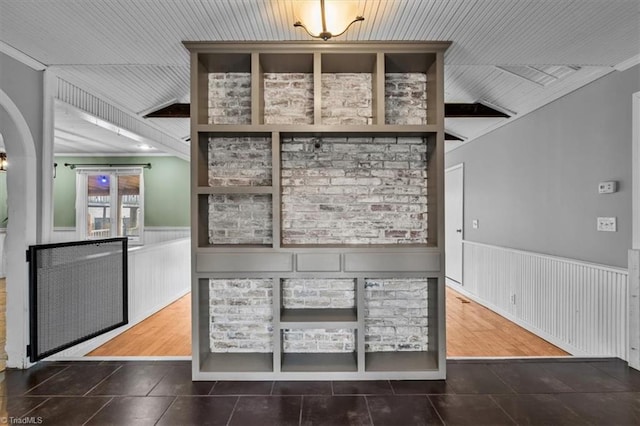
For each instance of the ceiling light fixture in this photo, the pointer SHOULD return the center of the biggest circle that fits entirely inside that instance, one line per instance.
(331, 21)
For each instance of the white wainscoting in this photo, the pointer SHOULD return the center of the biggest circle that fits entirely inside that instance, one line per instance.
(578, 306)
(159, 234)
(152, 234)
(158, 275)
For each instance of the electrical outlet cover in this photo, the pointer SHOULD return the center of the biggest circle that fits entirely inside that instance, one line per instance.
(607, 224)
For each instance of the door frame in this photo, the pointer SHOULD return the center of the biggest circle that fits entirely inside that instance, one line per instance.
(450, 169)
(633, 290)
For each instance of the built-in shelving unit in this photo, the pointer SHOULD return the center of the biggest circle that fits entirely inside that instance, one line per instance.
(317, 210)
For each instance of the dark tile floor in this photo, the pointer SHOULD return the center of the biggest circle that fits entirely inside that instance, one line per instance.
(480, 392)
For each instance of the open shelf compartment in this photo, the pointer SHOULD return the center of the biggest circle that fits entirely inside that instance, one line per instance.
(287, 83)
(242, 220)
(401, 324)
(318, 302)
(236, 160)
(348, 82)
(236, 334)
(319, 350)
(225, 79)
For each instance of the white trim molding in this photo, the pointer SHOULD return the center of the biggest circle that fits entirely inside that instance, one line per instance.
(21, 57)
(634, 253)
(21, 230)
(625, 65)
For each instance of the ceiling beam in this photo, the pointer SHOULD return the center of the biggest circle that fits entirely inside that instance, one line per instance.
(475, 110)
(449, 137)
(177, 110)
(457, 110)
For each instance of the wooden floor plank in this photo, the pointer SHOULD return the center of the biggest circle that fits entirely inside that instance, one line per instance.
(166, 333)
(475, 331)
(472, 331)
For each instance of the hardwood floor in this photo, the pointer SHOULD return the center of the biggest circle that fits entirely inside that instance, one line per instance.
(472, 331)
(475, 331)
(166, 333)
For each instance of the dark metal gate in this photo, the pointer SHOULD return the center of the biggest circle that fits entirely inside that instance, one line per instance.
(77, 291)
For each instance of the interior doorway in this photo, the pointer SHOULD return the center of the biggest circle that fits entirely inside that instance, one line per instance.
(454, 221)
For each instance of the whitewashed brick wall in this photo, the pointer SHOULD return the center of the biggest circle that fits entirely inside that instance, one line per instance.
(241, 161)
(241, 314)
(396, 315)
(240, 219)
(288, 98)
(406, 98)
(354, 191)
(318, 340)
(346, 99)
(318, 293)
(230, 98)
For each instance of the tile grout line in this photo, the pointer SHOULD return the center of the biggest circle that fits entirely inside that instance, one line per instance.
(435, 409)
(366, 401)
(100, 382)
(501, 408)
(98, 410)
(487, 365)
(233, 410)
(301, 409)
(175, 398)
(212, 388)
(44, 381)
(39, 405)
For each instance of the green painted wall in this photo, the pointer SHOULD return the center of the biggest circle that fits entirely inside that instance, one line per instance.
(166, 190)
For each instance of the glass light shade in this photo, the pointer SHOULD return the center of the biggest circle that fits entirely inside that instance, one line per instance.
(339, 15)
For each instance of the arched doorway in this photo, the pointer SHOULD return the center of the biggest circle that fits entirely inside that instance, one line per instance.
(21, 227)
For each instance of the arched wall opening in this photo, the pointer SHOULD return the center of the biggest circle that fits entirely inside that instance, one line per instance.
(21, 227)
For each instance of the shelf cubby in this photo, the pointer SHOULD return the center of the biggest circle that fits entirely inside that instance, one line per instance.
(320, 349)
(247, 346)
(319, 362)
(234, 159)
(401, 361)
(242, 219)
(347, 84)
(287, 97)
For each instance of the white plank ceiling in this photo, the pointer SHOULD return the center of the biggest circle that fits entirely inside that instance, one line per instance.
(130, 51)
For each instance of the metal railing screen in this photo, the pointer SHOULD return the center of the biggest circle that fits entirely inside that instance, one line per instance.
(77, 291)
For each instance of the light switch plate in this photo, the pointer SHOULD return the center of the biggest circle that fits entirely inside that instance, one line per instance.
(475, 224)
(607, 224)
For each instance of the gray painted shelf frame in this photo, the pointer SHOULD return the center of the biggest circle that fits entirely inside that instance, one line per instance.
(277, 261)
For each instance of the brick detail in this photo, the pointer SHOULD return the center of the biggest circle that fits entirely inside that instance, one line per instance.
(230, 98)
(318, 293)
(405, 98)
(354, 191)
(241, 315)
(244, 161)
(288, 98)
(240, 219)
(346, 98)
(318, 340)
(396, 315)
